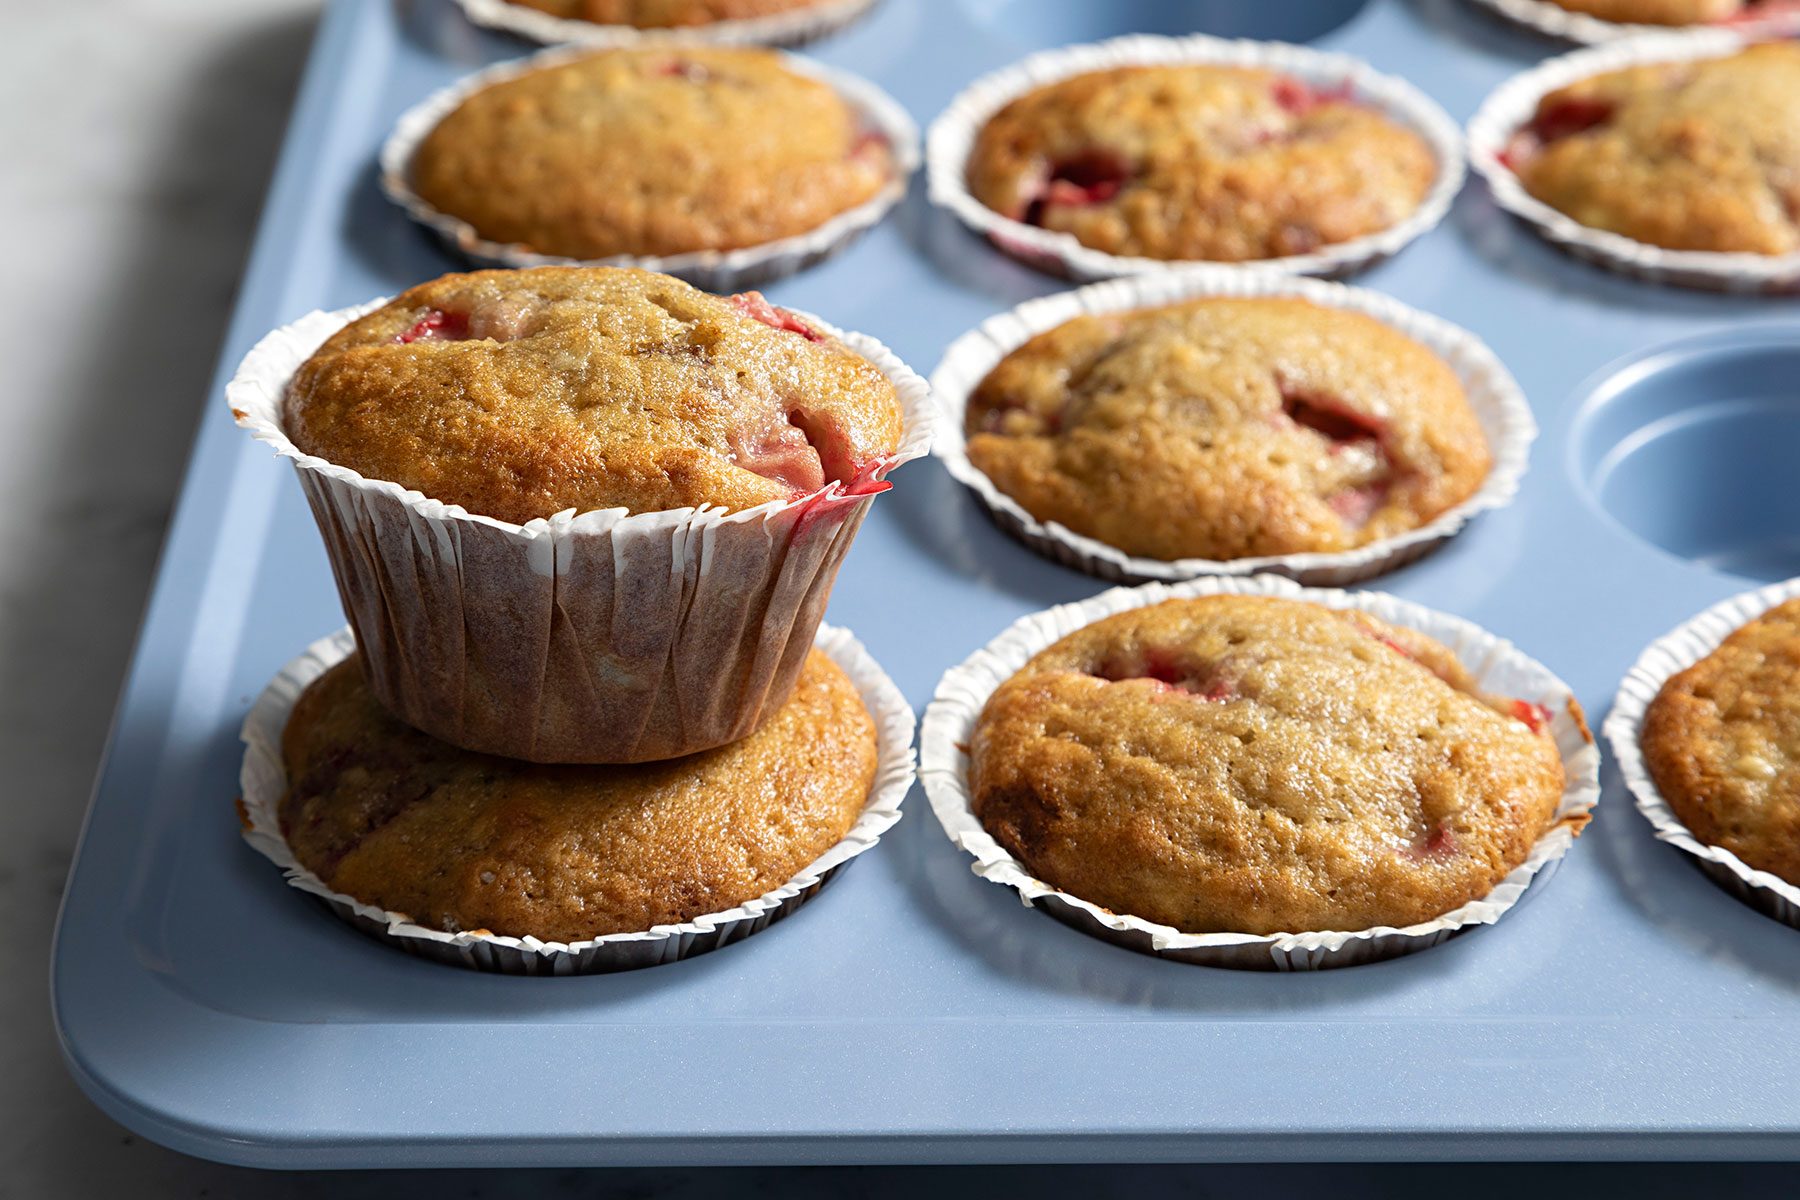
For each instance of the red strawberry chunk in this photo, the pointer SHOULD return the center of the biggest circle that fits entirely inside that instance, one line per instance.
(1535, 716)
(756, 307)
(1090, 177)
(1302, 98)
(1356, 505)
(1440, 842)
(437, 326)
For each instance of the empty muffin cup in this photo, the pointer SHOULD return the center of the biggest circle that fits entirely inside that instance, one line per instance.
(263, 781)
(594, 637)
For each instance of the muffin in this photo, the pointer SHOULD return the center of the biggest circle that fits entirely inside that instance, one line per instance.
(522, 394)
(1261, 765)
(1224, 428)
(1663, 12)
(1685, 155)
(1722, 742)
(665, 14)
(651, 152)
(1196, 161)
(470, 842)
(576, 514)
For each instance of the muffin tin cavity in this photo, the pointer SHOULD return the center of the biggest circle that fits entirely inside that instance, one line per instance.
(1692, 448)
(1046, 24)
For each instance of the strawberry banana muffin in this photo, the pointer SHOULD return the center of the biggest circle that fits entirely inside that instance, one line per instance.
(651, 152)
(1722, 741)
(1198, 162)
(1261, 765)
(1688, 155)
(470, 842)
(1673, 12)
(522, 394)
(664, 14)
(1227, 428)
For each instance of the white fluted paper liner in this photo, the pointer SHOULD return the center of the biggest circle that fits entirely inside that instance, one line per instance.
(1668, 655)
(1553, 20)
(1511, 105)
(1499, 406)
(1496, 665)
(715, 270)
(951, 139)
(793, 28)
(264, 780)
(682, 627)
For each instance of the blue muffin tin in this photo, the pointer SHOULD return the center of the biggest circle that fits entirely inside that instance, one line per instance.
(916, 1013)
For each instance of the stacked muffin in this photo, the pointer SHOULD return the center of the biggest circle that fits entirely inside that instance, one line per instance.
(584, 522)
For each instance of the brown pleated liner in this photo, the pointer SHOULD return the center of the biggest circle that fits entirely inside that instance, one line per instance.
(714, 270)
(1668, 655)
(264, 780)
(793, 28)
(1499, 405)
(1511, 105)
(1497, 665)
(599, 637)
(952, 135)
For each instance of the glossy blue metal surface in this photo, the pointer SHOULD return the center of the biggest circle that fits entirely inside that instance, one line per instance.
(916, 1013)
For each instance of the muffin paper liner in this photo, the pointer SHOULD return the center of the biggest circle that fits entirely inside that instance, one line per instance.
(952, 135)
(1674, 652)
(264, 780)
(682, 628)
(1555, 21)
(1494, 395)
(793, 28)
(1514, 103)
(1495, 663)
(715, 270)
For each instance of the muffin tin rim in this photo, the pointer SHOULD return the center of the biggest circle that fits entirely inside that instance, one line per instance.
(964, 689)
(985, 346)
(950, 138)
(718, 270)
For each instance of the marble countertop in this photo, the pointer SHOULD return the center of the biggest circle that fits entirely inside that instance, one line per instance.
(142, 134)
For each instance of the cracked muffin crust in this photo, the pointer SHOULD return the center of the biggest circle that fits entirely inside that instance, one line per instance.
(1223, 428)
(651, 152)
(663, 14)
(521, 394)
(1686, 155)
(461, 841)
(1261, 765)
(1198, 162)
(1722, 742)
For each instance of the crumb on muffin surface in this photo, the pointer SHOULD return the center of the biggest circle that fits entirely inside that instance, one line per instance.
(651, 151)
(1686, 155)
(1198, 162)
(1222, 428)
(521, 394)
(1261, 765)
(462, 841)
(1722, 742)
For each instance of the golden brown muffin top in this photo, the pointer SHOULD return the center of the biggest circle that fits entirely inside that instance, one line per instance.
(1660, 12)
(1198, 162)
(1261, 765)
(1224, 428)
(1690, 155)
(1722, 741)
(663, 14)
(651, 151)
(519, 394)
(468, 842)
